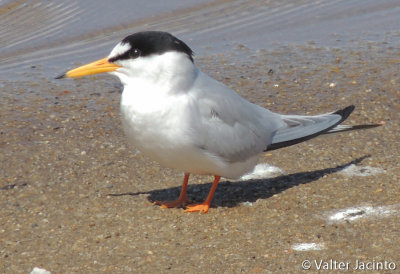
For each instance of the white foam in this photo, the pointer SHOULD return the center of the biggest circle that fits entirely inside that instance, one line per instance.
(38, 270)
(353, 170)
(308, 246)
(262, 171)
(247, 203)
(355, 213)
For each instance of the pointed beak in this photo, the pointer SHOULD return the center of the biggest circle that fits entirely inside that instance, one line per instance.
(99, 66)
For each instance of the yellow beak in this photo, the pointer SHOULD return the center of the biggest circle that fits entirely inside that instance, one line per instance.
(99, 66)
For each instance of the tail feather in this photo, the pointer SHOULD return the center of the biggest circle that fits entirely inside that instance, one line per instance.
(343, 128)
(303, 128)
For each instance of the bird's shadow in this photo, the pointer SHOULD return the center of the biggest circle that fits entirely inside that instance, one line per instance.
(230, 194)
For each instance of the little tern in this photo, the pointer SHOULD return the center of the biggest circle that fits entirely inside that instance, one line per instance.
(184, 119)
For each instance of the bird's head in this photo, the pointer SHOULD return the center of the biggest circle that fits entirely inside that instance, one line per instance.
(148, 53)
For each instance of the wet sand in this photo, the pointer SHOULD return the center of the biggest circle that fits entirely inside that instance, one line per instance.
(75, 198)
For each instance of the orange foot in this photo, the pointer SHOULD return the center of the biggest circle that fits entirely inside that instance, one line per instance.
(203, 208)
(171, 204)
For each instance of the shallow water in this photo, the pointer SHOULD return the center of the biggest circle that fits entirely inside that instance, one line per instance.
(45, 38)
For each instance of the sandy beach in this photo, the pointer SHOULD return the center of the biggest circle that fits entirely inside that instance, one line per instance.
(75, 198)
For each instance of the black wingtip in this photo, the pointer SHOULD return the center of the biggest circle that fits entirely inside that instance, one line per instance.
(60, 76)
(345, 113)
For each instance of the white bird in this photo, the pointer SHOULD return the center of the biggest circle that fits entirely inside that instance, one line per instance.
(182, 118)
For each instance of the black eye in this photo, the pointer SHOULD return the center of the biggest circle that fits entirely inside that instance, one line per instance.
(135, 53)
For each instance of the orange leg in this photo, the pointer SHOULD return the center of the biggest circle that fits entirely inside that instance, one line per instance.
(206, 205)
(182, 200)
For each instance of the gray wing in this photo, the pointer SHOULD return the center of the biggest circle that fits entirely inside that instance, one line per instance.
(235, 129)
(230, 126)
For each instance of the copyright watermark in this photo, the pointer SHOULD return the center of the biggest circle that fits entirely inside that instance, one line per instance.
(348, 265)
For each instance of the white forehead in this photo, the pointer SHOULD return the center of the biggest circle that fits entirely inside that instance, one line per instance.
(119, 49)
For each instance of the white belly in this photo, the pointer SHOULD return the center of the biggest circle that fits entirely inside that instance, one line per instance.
(162, 129)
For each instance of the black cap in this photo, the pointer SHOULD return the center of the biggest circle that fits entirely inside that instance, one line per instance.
(152, 42)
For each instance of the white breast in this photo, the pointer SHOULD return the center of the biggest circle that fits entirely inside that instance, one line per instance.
(159, 126)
